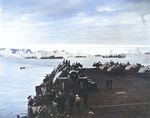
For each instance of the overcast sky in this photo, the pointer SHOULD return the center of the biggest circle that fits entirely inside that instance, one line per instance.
(74, 24)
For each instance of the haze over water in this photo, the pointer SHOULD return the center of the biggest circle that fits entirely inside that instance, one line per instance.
(17, 84)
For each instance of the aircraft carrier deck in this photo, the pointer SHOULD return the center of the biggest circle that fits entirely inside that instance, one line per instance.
(128, 98)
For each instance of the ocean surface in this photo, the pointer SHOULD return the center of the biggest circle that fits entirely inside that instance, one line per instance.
(17, 84)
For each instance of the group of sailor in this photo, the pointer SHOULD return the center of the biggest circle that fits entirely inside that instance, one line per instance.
(52, 102)
(57, 106)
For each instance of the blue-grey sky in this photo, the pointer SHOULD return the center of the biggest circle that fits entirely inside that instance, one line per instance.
(66, 24)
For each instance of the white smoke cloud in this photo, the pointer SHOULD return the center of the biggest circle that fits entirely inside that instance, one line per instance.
(143, 9)
(8, 53)
(23, 54)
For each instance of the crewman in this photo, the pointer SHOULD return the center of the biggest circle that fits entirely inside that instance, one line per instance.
(63, 101)
(107, 84)
(91, 113)
(71, 102)
(58, 101)
(85, 97)
(30, 101)
(78, 103)
(110, 84)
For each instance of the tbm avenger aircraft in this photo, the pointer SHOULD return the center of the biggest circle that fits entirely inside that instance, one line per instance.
(66, 78)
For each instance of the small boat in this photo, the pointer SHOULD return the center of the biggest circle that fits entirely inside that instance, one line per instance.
(22, 67)
(98, 55)
(80, 56)
(114, 56)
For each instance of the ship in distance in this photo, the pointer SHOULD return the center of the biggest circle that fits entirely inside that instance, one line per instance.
(52, 57)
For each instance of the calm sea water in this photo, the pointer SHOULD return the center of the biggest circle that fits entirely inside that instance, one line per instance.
(17, 84)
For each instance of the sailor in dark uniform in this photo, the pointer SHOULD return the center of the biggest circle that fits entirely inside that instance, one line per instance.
(71, 102)
(107, 84)
(85, 97)
(110, 82)
(31, 101)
